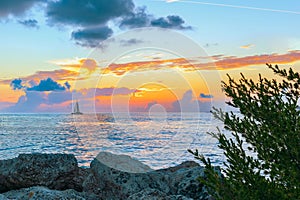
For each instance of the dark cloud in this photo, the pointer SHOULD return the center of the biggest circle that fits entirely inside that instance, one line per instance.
(140, 18)
(91, 16)
(36, 101)
(130, 42)
(90, 19)
(136, 19)
(16, 84)
(67, 85)
(87, 13)
(171, 21)
(91, 37)
(16, 7)
(206, 96)
(40, 96)
(30, 23)
(47, 85)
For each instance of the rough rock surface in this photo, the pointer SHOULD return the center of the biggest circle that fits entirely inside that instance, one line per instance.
(2, 197)
(55, 171)
(153, 194)
(57, 176)
(38, 193)
(122, 163)
(109, 183)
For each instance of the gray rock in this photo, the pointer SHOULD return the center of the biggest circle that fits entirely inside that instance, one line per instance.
(154, 194)
(176, 182)
(184, 182)
(122, 163)
(148, 194)
(38, 193)
(179, 197)
(2, 197)
(184, 165)
(55, 171)
(102, 181)
(109, 183)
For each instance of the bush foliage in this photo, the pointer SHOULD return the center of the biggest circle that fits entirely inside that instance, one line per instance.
(262, 143)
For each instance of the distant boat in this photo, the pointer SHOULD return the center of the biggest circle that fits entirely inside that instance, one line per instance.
(76, 110)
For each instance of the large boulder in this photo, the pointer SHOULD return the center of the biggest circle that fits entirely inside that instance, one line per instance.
(109, 183)
(177, 182)
(122, 163)
(55, 171)
(38, 193)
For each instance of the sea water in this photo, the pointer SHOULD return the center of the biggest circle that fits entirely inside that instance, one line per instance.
(158, 139)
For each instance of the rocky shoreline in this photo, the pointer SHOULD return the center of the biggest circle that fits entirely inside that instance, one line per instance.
(110, 177)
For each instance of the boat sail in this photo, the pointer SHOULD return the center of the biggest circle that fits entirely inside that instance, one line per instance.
(76, 110)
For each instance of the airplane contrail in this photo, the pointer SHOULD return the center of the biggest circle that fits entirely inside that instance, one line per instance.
(231, 6)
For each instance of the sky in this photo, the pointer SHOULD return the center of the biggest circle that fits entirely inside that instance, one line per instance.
(138, 55)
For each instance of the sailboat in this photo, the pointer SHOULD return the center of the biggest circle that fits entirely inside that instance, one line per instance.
(76, 110)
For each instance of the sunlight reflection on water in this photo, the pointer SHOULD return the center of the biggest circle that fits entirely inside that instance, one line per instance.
(157, 140)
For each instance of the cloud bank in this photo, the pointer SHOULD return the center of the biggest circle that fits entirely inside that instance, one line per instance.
(91, 21)
(47, 85)
(188, 103)
(16, 7)
(50, 96)
(219, 62)
(44, 85)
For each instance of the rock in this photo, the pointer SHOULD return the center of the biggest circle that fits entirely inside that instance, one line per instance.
(153, 194)
(2, 197)
(176, 182)
(179, 197)
(109, 183)
(55, 171)
(110, 177)
(184, 182)
(184, 165)
(148, 194)
(37, 193)
(122, 163)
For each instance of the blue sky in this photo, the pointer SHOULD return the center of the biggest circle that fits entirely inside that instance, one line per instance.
(224, 29)
(39, 34)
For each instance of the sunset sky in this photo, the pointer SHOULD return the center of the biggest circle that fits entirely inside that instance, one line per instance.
(138, 55)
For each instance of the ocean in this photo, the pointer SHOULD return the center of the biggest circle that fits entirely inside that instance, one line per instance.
(158, 140)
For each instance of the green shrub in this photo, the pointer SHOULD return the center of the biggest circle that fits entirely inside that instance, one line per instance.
(262, 146)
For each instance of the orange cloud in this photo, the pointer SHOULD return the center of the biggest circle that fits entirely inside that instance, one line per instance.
(29, 81)
(221, 63)
(230, 63)
(120, 69)
(87, 64)
(57, 75)
(151, 94)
